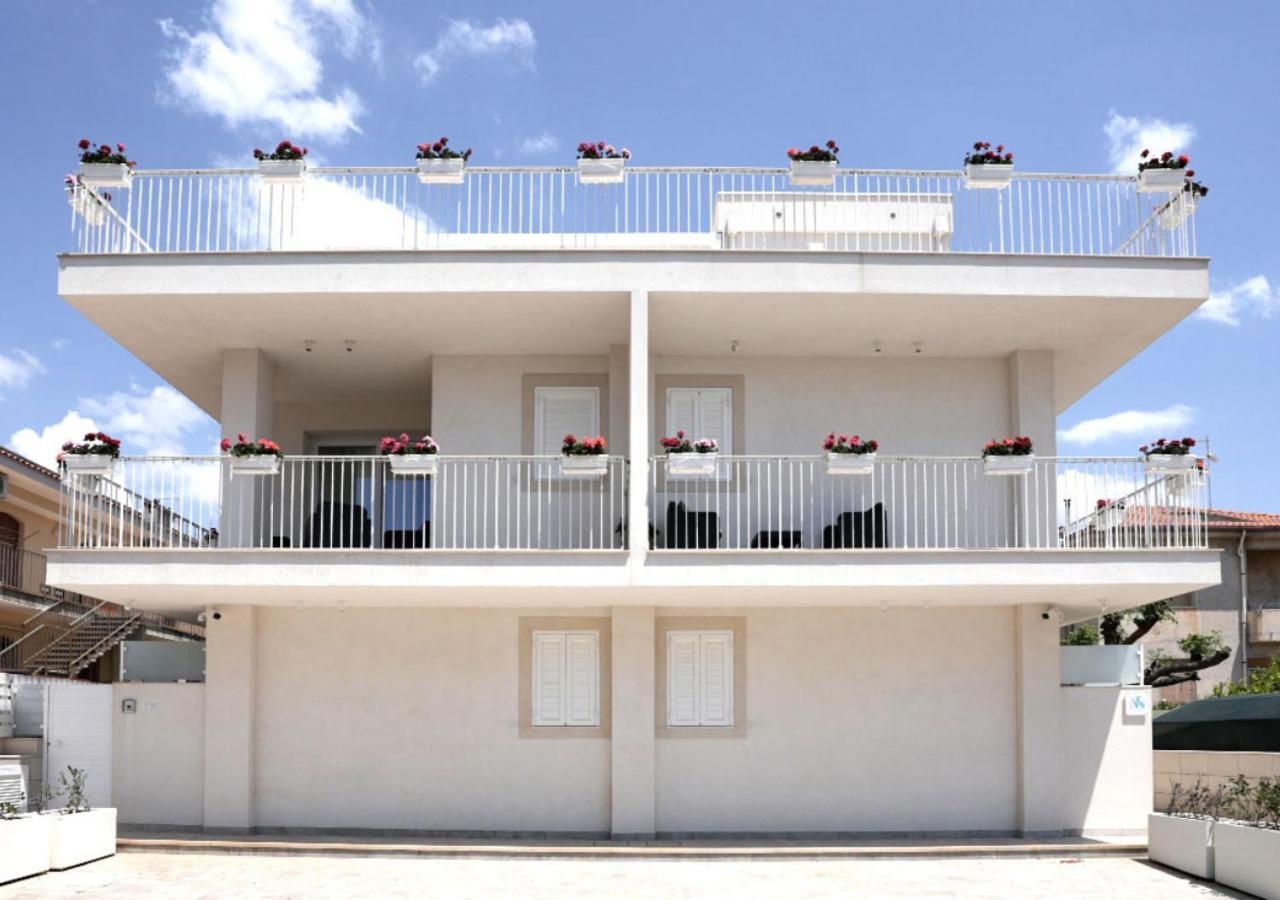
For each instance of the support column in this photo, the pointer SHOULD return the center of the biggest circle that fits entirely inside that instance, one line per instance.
(230, 684)
(1038, 717)
(1032, 412)
(633, 732)
(248, 406)
(638, 494)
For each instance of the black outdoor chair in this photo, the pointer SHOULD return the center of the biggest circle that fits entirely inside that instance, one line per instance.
(407, 538)
(339, 526)
(691, 530)
(856, 530)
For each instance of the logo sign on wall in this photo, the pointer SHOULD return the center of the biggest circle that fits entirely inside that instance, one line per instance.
(1136, 704)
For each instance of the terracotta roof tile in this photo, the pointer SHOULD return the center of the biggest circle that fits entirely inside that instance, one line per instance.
(21, 460)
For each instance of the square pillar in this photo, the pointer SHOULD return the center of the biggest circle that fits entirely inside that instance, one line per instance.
(633, 732)
(248, 406)
(638, 432)
(1033, 412)
(1038, 718)
(230, 684)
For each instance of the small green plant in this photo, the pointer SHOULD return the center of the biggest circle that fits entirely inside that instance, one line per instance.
(9, 810)
(1167, 704)
(1261, 681)
(1083, 635)
(1255, 803)
(71, 783)
(1198, 646)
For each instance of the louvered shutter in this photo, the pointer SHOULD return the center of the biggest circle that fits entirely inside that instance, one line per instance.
(548, 679)
(563, 410)
(682, 412)
(582, 678)
(716, 667)
(702, 413)
(682, 678)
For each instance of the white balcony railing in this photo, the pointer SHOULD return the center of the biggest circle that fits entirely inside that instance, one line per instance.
(927, 503)
(346, 502)
(230, 210)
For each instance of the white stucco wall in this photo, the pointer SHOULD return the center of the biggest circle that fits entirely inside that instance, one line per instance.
(157, 773)
(1107, 761)
(408, 719)
(858, 720)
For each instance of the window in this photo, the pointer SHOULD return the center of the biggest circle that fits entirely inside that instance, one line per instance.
(699, 678)
(558, 411)
(566, 679)
(702, 413)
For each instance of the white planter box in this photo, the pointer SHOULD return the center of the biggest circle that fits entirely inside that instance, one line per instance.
(90, 207)
(414, 463)
(267, 464)
(81, 837)
(442, 171)
(1161, 181)
(692, 465)
(89, 464)
(991, 176)
(105, 175)
(24, 846)
(851, 463)
(1010, 466)
(601, 171)
(1181, 843)
(816, 173)
(584, 466)
(1177, 209)
(1169, 463)
(1109, 517)
(282, 171)
(1247, 858)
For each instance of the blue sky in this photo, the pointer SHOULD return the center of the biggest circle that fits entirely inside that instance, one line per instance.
(1072, 87)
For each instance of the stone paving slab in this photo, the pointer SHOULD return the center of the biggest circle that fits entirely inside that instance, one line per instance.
(190, 875)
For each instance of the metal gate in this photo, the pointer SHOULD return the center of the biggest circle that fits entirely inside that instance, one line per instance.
(77, 732)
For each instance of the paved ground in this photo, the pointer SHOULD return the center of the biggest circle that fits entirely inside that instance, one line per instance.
(197, 875)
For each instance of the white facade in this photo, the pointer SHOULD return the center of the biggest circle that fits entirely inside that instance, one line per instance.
(499, 647)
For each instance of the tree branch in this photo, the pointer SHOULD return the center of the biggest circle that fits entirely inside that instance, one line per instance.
(1175, 671)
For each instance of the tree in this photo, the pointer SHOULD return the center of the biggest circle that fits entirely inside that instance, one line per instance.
(1203, 651)
(1261, 681)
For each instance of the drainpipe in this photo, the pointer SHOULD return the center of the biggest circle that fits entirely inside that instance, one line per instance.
(1244, 608)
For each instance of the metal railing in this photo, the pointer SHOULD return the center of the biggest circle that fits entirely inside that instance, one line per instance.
(22, 571)
(926, 503)
(365, 208)
(348, 502)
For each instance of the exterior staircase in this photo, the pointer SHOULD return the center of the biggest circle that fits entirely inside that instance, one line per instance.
(66, 638)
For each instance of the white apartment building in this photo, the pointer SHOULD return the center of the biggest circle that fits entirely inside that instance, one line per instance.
(770, 648)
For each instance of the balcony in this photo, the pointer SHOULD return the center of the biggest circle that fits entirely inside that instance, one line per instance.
(525, 503)
(684, 209)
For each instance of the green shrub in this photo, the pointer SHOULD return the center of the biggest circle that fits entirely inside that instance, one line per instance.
(1084, 635)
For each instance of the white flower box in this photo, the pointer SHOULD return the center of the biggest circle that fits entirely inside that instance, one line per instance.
(1177, 209)
(89, 206)
(442, 171)
(89, 464)
(1161, 181)
(601, 171)
(692, 465)
(282, 171)
(1109, 517)
(1009, 466)
(1247, 858)
(76, 838)
(105, 175)
(1181, 843)
(584, 466)
(1169, 463)
(851, 463)
(814, 173)
(989, 176)
(264, 464)
(414, 463)
(24, 846)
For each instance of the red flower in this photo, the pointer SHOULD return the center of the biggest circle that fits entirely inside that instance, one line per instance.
(84, 144)
(1188, 442)
(1145, 153)
(570, 440)
(241, 438)
(1191, 173)
(1184, 159)
(225, 445)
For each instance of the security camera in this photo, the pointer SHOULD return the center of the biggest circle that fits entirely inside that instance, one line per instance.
(217, 616)
(1045, 615)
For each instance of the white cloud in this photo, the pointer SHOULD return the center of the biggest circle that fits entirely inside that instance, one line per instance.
(510, 39)
(18, 367)
(1128, 136)
(60, 343)
(1254, 296)
(43, 446)
(330, 215)
(259, 62)
(539, 144)
(1133, 423)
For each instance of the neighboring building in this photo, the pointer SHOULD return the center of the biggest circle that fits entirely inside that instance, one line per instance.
(1244, 607)
(500, 647)
(49, 630)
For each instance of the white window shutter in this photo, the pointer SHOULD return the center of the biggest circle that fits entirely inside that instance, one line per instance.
(563, 410)
(582, 677)
(682, 412)
(682, 678)
(548, 679)
(717, 678)
(716, 410)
